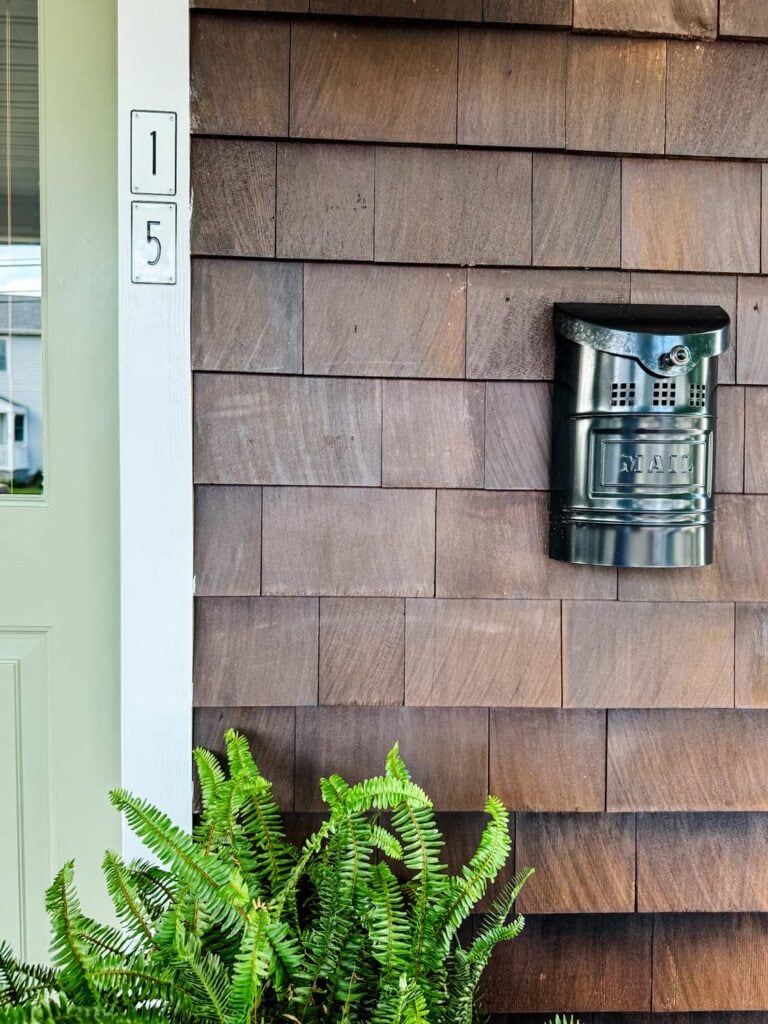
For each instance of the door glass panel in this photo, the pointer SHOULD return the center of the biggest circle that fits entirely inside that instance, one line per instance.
(21, 343)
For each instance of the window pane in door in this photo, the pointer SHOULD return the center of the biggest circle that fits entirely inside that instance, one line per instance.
(21, 348)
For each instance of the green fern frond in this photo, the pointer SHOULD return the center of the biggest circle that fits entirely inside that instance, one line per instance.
(250, 969)
(387, 921)
(20, 983)
(70, 953)
(128, 900)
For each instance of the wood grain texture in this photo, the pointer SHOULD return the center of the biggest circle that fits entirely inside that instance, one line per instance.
(732, 946)
(445, 10)
(362, 650)
(587, 962)
(616, 91)
(744, 19)
(548, 759)
(452, 206)
(585, 863)
(227, 541)
(509, 316)
(729, 451)
(254, 651)
(233, 192)
(393, 83)
(764, 218)
(576, 211)
(348, 542)
(741, 552)
(683, 760)
(271, 734)
(446, 750)
(371, 321)
(647, 655)
(325, 201)
(511, 88)
(702, 862)
(688, 18)
(462, 831)
(432, 434)
(286, 430)
(495, 544)
(246, 316)
(756, 424)
(715, 100)
(518, 432)
(497, 653)
(528, 12)
(239, 75)
(752, 655)
(694, 290)
(753, 330)
(691, 215)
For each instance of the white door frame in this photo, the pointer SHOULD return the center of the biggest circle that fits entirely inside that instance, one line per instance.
(156, 499)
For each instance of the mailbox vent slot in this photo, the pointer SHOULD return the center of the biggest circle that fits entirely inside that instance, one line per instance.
(664, 392)
(697, 397)
(623, 393)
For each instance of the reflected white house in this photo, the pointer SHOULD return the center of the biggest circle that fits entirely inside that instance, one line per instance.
(21, 388)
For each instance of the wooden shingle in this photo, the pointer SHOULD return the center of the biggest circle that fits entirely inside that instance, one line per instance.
(509, 316)
(511, 88)
(233, 190)
(518, 429)
(616, 91)
(362, 650)
(348, 541)
(383, 321)
(687, 18)
(752, 655)
(685, 760)
(227, 541)
(639, 662)
(715, 100)
(239, 75)
(702, 862)
(246, 316)
(548, 759)
(392, 83)
(585, 962)
(324, 201)
(576, 211)
(497, 653)
(729, 452)
(744, 19)
(287, 430)
(585, 863)
(753, 330)
(710, 962)
(452, 206)
(494, 544)
(254, 651)
(432, 434)
(450, 10)
(756, 424)
(445, 749)
(691, 215)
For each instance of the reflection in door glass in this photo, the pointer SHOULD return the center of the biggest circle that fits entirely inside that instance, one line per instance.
(21, 352)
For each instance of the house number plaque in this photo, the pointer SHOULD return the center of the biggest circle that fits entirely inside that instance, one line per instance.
(153, 173)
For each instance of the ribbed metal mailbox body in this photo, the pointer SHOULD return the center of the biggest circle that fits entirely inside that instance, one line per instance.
(633, 438)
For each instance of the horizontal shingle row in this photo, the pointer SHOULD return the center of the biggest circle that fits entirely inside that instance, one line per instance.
(698, 19)
(477, 87)
(483, 652)
(357, 319)
(336, 201)
(539, 760)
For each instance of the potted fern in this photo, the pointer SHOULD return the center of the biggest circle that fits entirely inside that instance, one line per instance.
(240, 926)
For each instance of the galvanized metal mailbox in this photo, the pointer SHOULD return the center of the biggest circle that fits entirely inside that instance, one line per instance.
(633, 439)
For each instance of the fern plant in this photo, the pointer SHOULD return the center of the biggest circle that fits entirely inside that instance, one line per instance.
(241, 926)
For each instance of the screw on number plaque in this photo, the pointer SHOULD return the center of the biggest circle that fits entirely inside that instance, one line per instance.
(153, 243)
(153, 152)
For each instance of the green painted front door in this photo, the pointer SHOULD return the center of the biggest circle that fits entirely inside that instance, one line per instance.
(59, 588)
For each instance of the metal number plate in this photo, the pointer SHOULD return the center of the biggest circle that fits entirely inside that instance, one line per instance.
(153, 152)
(153, 243)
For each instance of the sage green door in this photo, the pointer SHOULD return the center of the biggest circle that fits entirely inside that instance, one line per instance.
(59, 613)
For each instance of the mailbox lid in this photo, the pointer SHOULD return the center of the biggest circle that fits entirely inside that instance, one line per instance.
(647, 333)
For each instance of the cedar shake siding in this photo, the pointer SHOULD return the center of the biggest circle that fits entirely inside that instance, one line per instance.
(389, 195)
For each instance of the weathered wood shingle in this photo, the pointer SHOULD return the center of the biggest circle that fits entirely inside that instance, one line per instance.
(227, 541)
(362, 650)
(518, 428)
(751, 655)
(689, 18)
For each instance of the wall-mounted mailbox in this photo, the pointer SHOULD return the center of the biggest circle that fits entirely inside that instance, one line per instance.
(633, 438)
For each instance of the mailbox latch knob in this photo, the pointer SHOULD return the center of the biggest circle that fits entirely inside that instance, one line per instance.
(680, 355)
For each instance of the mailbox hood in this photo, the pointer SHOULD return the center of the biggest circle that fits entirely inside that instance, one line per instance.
(666, 340)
